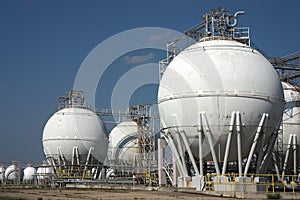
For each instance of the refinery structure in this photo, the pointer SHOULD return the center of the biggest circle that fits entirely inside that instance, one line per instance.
(228, 115)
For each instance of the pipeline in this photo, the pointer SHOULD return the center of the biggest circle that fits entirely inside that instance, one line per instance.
(234, 19)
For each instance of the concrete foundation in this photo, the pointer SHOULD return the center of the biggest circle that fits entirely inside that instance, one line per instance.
(184, 181)
(198, 182)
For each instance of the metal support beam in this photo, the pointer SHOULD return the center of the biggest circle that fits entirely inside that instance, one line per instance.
(77, 156)
(287, 155)
(187, 146)
(259, 130)
(275, 164)
(295, 153)
(61, 156)
(179, 144)
(162, 180)
(260, 152)
(228, 142)
(268, 153)
(181, 153)
(87, 160)
(239, 142)
(176, 155)
(200, 131)
(210, 141)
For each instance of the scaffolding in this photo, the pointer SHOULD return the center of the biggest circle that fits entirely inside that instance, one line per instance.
(145, 166)
(288, 68)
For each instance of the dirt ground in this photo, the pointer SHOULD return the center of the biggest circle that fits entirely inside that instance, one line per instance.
(69, 194)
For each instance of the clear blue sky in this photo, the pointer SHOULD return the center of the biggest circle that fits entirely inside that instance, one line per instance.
(43, 43)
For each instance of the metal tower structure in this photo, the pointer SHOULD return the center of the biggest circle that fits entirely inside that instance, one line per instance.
(288, 68)
(145, 163)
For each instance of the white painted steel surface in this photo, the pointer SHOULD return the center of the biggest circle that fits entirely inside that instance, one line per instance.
(124, 142)
(75, 127)
(12, 173)
(2, 171)
(291, 118)
(44, 172)
(29, 174)
(218, 77)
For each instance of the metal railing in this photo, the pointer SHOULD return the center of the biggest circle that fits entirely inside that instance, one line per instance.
(252, 183)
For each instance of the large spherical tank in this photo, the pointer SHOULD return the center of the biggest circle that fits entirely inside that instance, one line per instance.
(218, 77)
(12, 173)
(29, 174)
(291, 115)
(75, 127)
(2, 171)
(124, 142)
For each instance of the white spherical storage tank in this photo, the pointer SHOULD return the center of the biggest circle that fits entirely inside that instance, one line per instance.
(2, 171)
(12, 173)
(74, 132)
(291, 121)
(44, 172)
(29, 174)
(212, 84)
(124, 143)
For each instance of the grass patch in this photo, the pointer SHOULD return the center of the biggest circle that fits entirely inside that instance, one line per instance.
(273, 196)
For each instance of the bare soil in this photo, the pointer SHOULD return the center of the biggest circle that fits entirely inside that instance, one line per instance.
(69, 194)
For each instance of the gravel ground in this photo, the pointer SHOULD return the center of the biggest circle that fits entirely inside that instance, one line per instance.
(43, 194)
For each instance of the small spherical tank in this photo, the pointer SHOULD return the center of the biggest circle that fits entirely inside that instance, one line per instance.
(12, 173)
(291, 117)
(75, 128)
(29, 174)
(217, 77)
(44, 172)
(2, 172)
(124, 142)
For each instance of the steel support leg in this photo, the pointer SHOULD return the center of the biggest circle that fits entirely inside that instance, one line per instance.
(211, 145)
(295, 153)
(228, 143)
(260, 153)
(287, 155)
(268, 153)
(187, 147)
(259, 129)
(239, 142)
(176, 156)
(200, 131)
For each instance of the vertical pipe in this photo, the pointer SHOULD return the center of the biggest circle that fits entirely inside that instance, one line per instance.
(287, 155)
(239, 142)
(228, 143)
(211, 145)
(200, 131)
(295, 154)
(259, 128)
